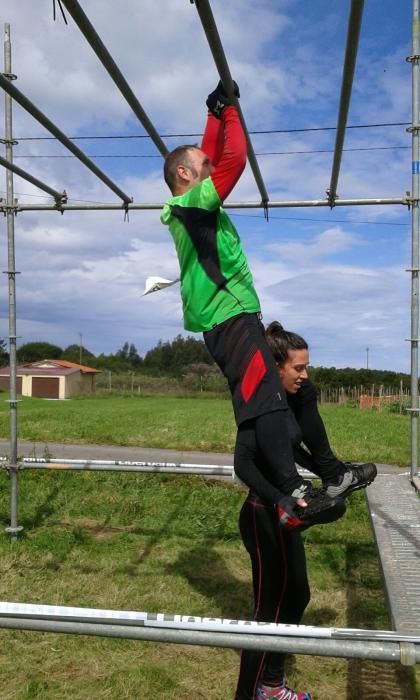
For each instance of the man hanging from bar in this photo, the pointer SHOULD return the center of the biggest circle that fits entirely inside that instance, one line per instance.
(219, 299)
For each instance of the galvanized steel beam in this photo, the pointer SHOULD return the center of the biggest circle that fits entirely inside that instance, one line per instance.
(60, 136)
(90, 34)
(415, 258)
(353, 32)
(219, 632)
(60, 197)
(14, 528)
(213, 38)
(287, 204)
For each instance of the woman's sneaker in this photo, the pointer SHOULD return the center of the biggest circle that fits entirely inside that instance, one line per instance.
(280, 692)
(356, 476)
(321, 507)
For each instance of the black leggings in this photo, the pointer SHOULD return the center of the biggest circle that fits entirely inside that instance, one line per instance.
(281, 588)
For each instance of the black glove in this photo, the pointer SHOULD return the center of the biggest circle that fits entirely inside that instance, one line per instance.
(218, 100)
(286, 510)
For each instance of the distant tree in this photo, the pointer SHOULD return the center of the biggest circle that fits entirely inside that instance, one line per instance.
(174, 356)
(78, 354)
(4, 355)
(128, 353)
(33, 352)
(333, 378)
(124, 351)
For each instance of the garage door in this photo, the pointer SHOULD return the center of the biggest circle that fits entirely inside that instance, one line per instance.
(45, 387)
(4, 384)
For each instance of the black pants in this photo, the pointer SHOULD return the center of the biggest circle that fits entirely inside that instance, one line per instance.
(240, 349)
(280, 583)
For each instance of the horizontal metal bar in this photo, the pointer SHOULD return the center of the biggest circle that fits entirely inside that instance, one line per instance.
(87, 29)
(386, 651)
(121, 466)
(342, 648)
(213, 38)
(58, 196)
(53, 129)
(353, 32)
(192, 622)
(129, 466)
(136, 206)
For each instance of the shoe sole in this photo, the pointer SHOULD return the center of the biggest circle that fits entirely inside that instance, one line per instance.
(327, 514)
(353, 487)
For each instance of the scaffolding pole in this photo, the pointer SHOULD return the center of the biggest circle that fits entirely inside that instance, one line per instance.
(415, 262)
(13, 529)
(218, 632)
(213, 38)
(60, 136)
(60, 197)
(287, 204)
(111, 67)
(121, 465)
(353, 32)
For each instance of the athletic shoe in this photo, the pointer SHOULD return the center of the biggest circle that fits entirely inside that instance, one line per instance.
(280, 692)
(356, 476)
(321, 508)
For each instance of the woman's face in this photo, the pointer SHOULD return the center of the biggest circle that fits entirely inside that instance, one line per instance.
(293, 371)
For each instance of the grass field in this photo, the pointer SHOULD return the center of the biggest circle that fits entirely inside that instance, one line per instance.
(171, 544)
(195, 424)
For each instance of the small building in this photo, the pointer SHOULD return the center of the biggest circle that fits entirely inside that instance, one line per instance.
(51, 379)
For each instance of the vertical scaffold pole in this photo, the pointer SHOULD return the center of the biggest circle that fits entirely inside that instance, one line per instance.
(415, 136)
(11, 273)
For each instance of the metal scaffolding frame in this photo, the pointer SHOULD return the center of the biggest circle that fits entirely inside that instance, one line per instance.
(353, 32)
(19, 97)
(379, 645)
(407, 651)
(10, 207)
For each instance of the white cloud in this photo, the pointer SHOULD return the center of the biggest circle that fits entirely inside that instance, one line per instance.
(325, 244)
(340, 284)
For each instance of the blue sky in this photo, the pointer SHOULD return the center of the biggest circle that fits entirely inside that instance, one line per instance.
(337, 277)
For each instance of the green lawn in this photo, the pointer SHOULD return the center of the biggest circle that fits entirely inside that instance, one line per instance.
(195, 424)
(171, 544)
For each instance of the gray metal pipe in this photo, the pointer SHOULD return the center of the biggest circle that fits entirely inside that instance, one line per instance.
(353, 32)
(378, 651)
(60, 136)
(58, 196)
(87, 29)
(149, 206)
(213, 38)
(121, 466)
(13, 529)
(415, 259)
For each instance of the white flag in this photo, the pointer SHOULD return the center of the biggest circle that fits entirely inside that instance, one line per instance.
(154, 284)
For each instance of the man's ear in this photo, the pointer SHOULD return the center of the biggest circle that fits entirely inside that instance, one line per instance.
(183, 173)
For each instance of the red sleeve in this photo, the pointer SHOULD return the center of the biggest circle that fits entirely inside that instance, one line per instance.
(231, 162)
(213, 139)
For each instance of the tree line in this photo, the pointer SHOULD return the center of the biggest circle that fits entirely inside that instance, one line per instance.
(188, 355)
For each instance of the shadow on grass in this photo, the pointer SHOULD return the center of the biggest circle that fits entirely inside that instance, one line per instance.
(206, 571)
(39, 515)
(131, 567)
(42, 511)
(371, 680)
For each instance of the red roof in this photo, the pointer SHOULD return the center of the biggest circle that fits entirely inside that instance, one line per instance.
(56, 367)
(69, 365)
